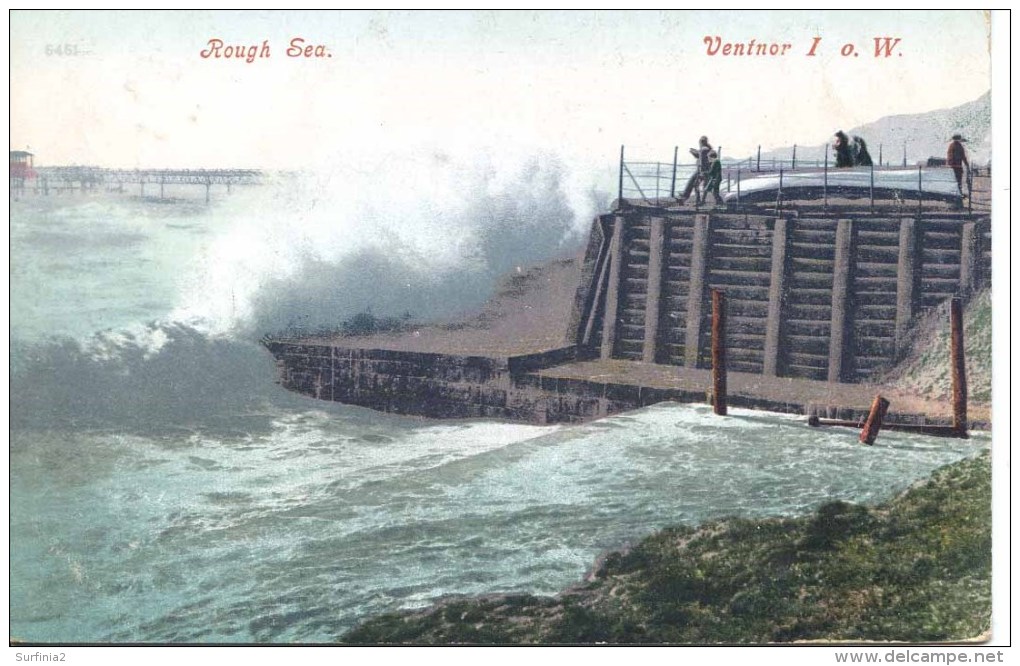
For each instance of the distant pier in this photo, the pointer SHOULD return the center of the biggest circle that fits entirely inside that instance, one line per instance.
(57, 180)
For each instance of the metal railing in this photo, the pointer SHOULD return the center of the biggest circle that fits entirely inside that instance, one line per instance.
(652, 181)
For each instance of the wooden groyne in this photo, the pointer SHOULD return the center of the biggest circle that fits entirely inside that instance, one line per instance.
(827, 297)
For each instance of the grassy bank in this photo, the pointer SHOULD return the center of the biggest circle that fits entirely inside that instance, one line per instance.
(915, 569)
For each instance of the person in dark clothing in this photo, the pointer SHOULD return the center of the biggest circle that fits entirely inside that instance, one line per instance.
(956, 158)
(842, 145)
(713, 177)
(860, 153)
(704, 148)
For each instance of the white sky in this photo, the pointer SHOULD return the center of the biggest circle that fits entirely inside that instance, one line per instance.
(575, 83)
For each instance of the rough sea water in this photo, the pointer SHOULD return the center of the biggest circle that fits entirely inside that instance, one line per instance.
(164, 489)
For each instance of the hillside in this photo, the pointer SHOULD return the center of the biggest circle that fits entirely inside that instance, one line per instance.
(925, 371)
(925, 134)
(916, 569)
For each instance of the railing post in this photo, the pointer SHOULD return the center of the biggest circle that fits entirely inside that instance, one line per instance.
(825, 180)
(905, 154)
(871, 188)
(779, 195)
(758, 168)
(879, 154)
(672, 186)
(657, 171)
(793, 163)
(738, 186)
(920, 190)
(619, 198)
(970, 190)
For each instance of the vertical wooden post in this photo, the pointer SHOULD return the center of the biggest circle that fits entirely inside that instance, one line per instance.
(874, 423)
(653, 299)
(825, 179)
(793, 163)
(696, 293)
(871, 188)
(904, 153)
(879, 154)
(719, 352)
(208, 185)
(920, 190)
(779, 195)
(613, 291)
(162, 182)
(619, 196)
(758, 167)
(672, 187)
(906, 281)
(968, 259)
(840, 320)
(959, 362)
(777, 287)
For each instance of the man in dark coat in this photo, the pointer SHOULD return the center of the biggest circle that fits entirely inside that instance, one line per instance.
(842, 145)
(956, 158)
(713, 177)
(704, 148)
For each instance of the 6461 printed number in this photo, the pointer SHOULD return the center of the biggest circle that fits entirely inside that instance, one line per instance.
(71, 50)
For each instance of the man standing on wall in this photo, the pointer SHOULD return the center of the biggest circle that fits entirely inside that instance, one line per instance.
(956, 158)
(704, 148)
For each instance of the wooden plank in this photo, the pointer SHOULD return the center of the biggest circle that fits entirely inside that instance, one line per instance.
(613, 288)
(839, 336)
(654, 291)
(777, 291)
(696, 293)
(906, 283)
(968, 260)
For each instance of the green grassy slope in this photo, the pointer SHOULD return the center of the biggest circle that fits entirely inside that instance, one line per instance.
(916, 569)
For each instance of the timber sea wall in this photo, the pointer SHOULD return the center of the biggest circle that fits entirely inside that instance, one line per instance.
(827, 296)
(820, 304)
